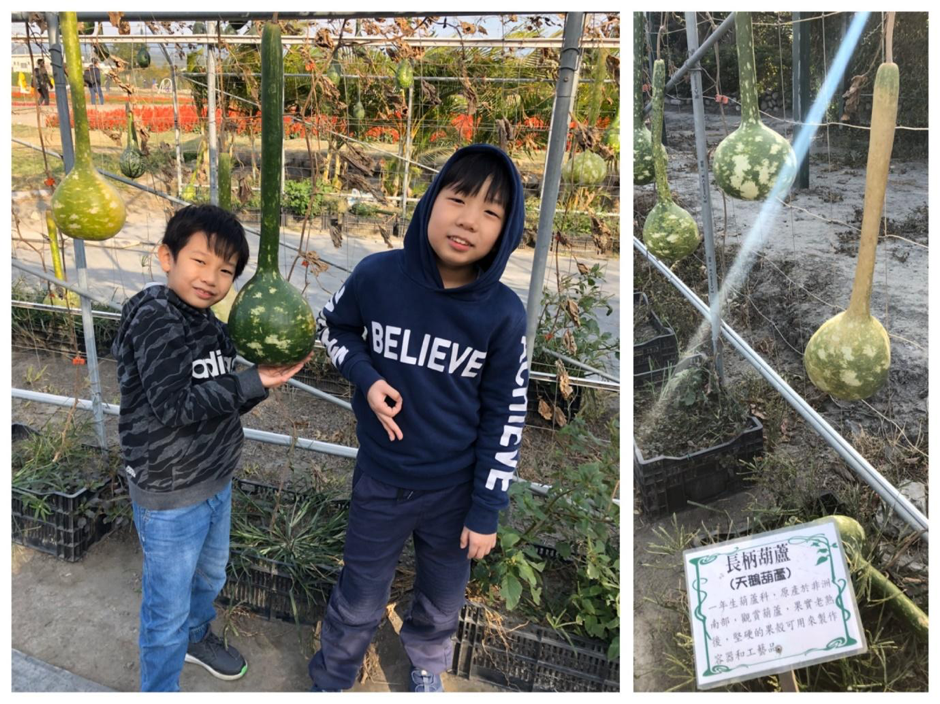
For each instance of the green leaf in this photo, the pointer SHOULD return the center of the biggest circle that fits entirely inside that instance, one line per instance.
(564, 549)
(821, 560)
(512, 591)
(536, 595)
(613, 652)
(525, 571)
(508, 539)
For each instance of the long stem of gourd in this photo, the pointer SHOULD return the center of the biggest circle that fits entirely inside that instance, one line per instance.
(272, 123)
(881, 140)
(747, 72)
(659, 152)
(639, 41)
(68, 24)
(54, 246)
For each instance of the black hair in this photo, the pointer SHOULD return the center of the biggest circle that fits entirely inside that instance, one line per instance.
(468, 174)
(225, 234)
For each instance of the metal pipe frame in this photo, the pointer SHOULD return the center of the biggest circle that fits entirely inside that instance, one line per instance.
(326, 448)
(719, 32)
(888, 493)
(582, 365)
(261, 16)
(383, 77)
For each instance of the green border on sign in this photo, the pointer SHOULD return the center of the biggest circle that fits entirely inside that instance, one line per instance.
(824, 549)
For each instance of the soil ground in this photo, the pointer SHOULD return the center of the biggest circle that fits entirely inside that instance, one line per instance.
(802, 276)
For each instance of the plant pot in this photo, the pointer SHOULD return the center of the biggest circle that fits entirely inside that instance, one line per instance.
(657, 352)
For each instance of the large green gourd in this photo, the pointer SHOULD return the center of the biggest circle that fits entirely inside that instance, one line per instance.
(85, 206)
(849, 355)
(271, 322)
(612, 135)
(669, 231)
(642, 139)
(585, 169)
(748, 161)
(132, 159)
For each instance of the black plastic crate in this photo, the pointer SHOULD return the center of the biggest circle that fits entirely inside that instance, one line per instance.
(259, 489)
(667, 483)
(530, 658)
(660, 351)
(65, 531)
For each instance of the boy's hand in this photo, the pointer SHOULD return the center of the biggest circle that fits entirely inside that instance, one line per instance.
(273, 376)
(378, 392)
(480, 544)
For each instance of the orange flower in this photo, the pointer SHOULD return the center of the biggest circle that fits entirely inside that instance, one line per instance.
(78, 361)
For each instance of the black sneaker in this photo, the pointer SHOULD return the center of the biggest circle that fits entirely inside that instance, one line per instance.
(211, 653)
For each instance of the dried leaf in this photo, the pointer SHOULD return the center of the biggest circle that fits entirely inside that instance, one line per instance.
(853, 95)
(571, 308)
(564, 382)
(569, 343)
(583, 270)
(545, 410)
(323, 39)
(336, 232)
(559, 418)
(117, 19)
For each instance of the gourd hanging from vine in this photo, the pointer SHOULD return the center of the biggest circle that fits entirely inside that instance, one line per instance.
(132, 159)
(85, 206)
(271, 322)
(850, 354)
(643, 172)
(749, 161)
(669, 231)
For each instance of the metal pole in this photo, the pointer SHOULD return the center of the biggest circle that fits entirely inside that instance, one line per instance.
(212, 28)
(557, 136)
(176, 123)
(405, 179)
(719, 32)
(582, 365)
(52, 22)
(889, 494)
(701, 152)
(801, 101)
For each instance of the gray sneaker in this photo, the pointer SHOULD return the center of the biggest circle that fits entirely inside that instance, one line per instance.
(211, 653)
(424, 681)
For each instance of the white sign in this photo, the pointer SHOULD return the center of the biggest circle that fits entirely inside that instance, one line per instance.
(771, 602)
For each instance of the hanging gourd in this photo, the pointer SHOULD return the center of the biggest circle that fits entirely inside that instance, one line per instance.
(669, 231)
(85, 206)
(612, 135)
(271, 322)
(225, 181)
(359, 112)
(334, 73)
(585, 169)
(643, 172)
(199, 27)
(849, 355)
(143, 57)
(405, 75)
(132, 159)
(70, 299)
(458, 103)
(749, 161)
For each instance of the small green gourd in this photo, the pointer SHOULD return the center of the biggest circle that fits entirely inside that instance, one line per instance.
(669, 231)
(85, 206)
(612, 135)
(132, 159)
(458, 103)
(270, 321)
(334, 73)
(643, 172)
(405, 74)
(585, 169)
(199, 27)
(358, 112)
(143, 57)
(749, 161)
(850, 354)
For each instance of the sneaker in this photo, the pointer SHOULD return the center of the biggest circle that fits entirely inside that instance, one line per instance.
(211, 653)
(316, 688)
(424, 681)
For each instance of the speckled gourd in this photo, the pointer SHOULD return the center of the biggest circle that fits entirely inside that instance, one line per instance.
(850, 354)
(132, 159)
(669, 231)
(85, 206)
(749, 161)
(584, 169)
(271, 321)
(643, 172)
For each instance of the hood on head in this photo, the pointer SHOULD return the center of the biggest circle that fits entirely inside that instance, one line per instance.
(420, 262)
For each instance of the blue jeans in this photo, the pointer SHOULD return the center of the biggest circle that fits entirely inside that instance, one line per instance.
(381, 519)
(96, 91)
(185, 554)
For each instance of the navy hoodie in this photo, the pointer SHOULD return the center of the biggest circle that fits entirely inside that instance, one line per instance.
(456, 355)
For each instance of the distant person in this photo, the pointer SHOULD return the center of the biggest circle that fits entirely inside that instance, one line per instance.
(41, 81)
(92, 78)
(181, 439)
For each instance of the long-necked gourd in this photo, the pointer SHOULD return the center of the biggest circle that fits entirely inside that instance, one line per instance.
(225, 181)
(749, 161)
(669, 231)
(643, 172)
(849, 355)
(70, 299)
(85, 206)
(271, 322)
(132, 159)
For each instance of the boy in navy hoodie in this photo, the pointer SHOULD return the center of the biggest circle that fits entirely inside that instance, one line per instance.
(440, 403)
